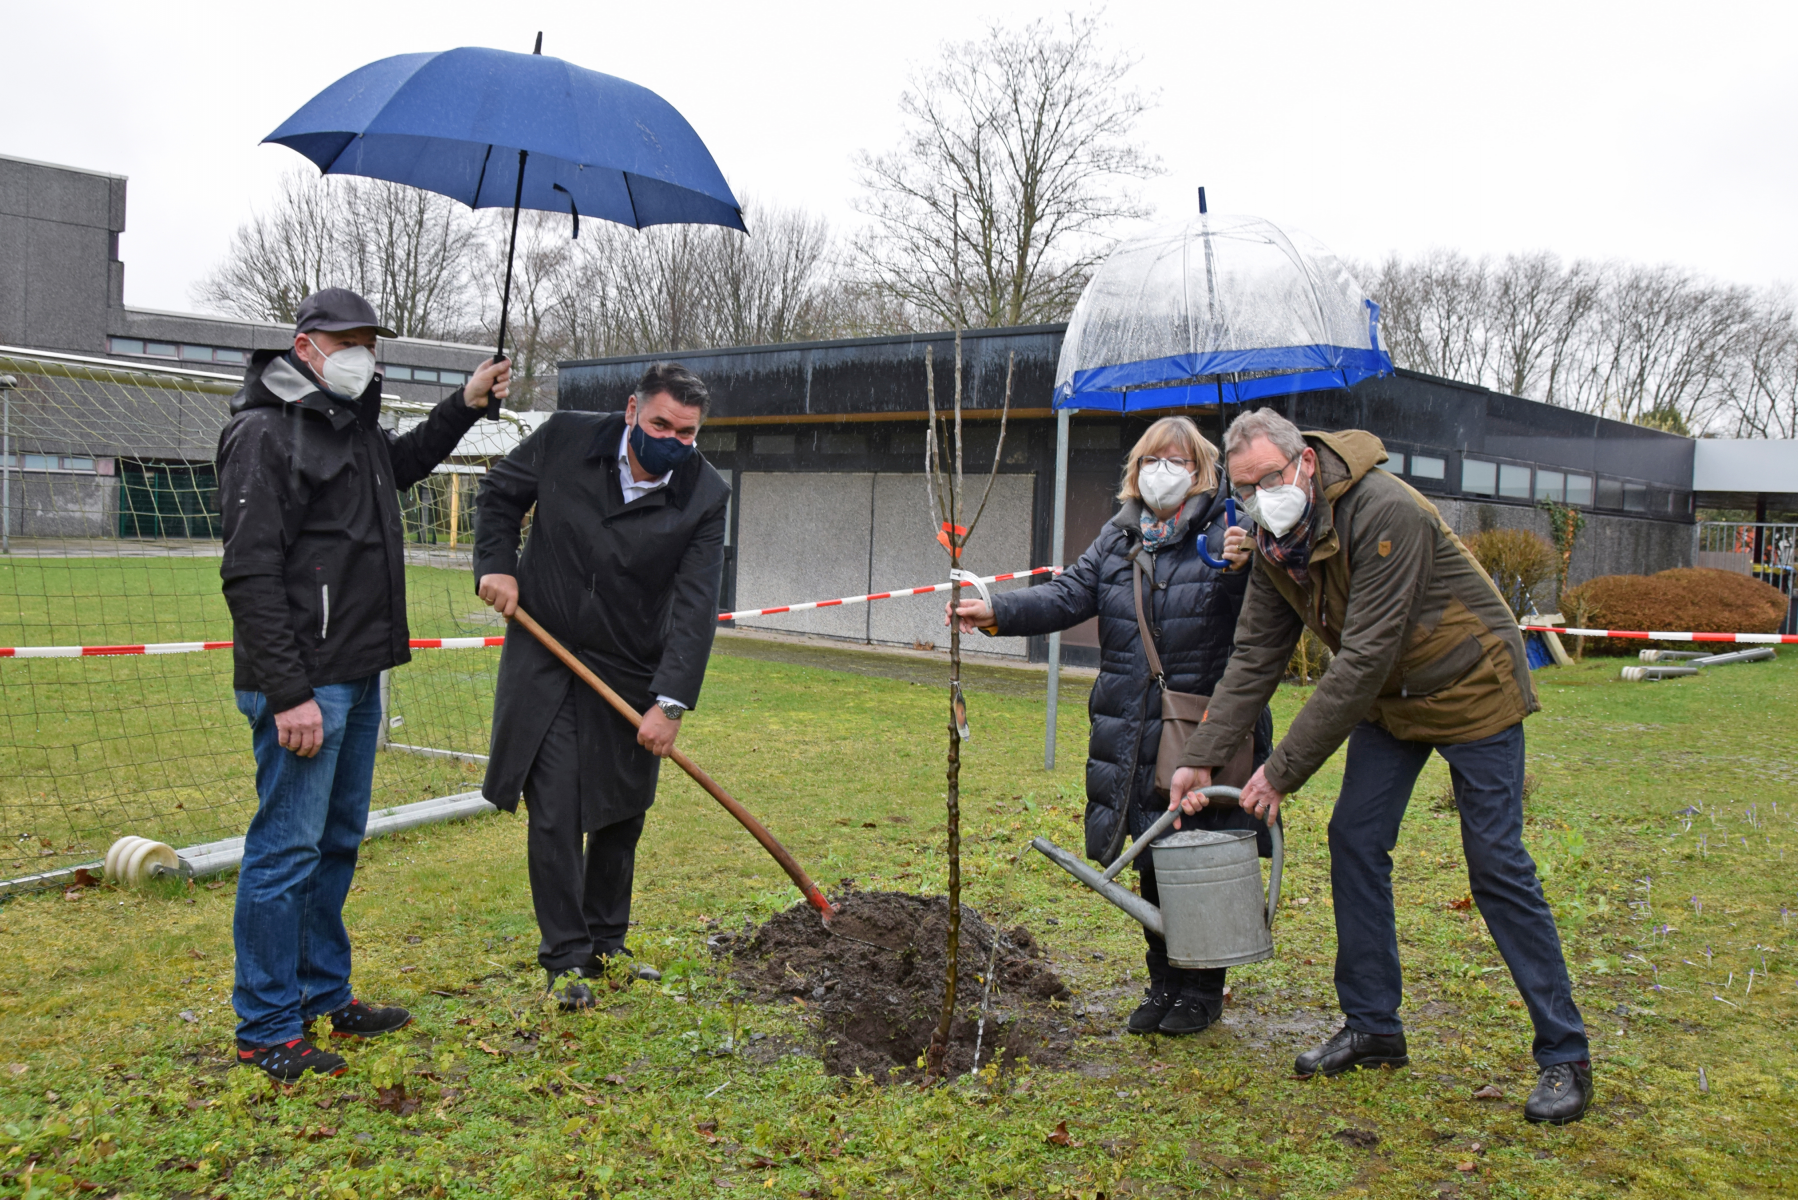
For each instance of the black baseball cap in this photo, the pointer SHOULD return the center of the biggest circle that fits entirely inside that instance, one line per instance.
(332, 309)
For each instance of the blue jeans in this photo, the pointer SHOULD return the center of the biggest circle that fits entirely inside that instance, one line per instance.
(1488, 780)
(293, 953)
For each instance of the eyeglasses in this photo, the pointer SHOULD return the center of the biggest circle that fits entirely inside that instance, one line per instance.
(1149, 460)
(1272, 479)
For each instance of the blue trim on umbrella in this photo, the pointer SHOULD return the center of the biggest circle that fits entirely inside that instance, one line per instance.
(1318, 357)
(1226, 391)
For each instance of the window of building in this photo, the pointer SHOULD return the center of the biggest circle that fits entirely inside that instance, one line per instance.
(1478, 478)
(234, 357)
(395, 374)
(196, 354)
(717, 441)
(1425, 467)
(1579, 490)
(774, 443)
(423, 375)
(77, 464)
(1395, 463)
(1635, 497)
(1550, 485)
(40, 462)
(456, 377)
(160, 349)
(1513, 481)
(1095, 437)
(127, 345)
(843, 443)
(1610, 492)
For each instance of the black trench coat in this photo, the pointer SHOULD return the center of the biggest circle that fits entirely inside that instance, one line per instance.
(632, 589)
(1194, 607)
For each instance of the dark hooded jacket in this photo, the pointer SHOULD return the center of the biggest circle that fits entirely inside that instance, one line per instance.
(632, 589)
(1192, 608)
(314, 569)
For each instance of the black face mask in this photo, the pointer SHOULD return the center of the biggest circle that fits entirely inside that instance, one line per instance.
(659, 455)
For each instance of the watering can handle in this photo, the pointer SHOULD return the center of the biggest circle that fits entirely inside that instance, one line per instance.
(1216, 792)
(1273, 874)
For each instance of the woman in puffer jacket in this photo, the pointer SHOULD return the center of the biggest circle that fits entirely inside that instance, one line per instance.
(1170, 496)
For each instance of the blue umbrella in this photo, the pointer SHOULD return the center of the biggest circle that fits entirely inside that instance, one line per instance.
(463, 123)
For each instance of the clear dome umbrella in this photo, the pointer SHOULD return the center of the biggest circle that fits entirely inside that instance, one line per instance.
(1217, 310)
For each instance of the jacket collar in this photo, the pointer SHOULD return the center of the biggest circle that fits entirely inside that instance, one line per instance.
(275, 379)
(604, 451)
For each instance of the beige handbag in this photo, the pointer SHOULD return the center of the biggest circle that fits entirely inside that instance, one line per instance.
(1181, 713)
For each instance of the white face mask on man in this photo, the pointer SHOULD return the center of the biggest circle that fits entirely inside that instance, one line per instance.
(348, 371)
(1162, 485)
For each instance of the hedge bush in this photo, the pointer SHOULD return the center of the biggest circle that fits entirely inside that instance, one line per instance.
(1699, 599)
(1518, 561)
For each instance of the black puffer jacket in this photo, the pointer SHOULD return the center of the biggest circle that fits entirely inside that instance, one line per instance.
(1192, 606)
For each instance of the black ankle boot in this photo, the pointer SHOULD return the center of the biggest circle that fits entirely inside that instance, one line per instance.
(1350, 1049)
(1155, 1005)
(1193, 1012)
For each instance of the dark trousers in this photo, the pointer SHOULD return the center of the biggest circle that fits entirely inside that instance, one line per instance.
(1208, 983)
(582, 896)
(1488, 783)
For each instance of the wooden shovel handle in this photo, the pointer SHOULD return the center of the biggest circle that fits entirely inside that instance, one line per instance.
(756, 829)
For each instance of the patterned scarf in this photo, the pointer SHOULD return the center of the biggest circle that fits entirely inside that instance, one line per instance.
(1293, 552)
(1158, 534)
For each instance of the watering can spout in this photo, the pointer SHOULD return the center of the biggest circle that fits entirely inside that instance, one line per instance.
(1129, 901)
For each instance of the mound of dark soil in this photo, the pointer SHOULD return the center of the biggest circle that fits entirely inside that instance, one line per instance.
(872, 982)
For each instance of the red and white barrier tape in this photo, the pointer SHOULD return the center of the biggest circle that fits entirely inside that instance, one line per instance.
(1653, 636)
(917, 591)
(476, 643)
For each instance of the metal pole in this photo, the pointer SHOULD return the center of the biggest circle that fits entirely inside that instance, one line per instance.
(7, 384)
(1057, 550)
(386, 704)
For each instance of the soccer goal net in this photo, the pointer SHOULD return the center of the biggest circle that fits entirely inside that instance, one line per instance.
(117, 714)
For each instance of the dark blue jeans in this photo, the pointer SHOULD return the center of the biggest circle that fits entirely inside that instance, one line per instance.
(1488, 782)
(293, 953)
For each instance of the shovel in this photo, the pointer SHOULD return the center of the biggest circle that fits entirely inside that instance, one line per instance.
(757, 830)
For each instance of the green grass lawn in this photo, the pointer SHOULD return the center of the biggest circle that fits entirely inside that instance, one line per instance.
(115, 1019)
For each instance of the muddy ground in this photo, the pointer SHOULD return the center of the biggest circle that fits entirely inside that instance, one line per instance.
(872, 984)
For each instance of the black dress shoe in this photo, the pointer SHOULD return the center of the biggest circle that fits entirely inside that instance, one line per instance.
(572, 994)
(1193, 1012)
(1349, 1049)
(1155, 1005)
(1562, 1095)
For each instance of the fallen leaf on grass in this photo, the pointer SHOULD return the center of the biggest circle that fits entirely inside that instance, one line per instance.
(319, 1133)
(620, 1080)
(17, 1068)
(213, 887)
(1489, 1092)
(407, 970)
(395, 1101)
(1461, 905)
(1060, 1137)
(485, 1048)
(707, 1130)
(86, 878)
(759, 1162)
(73, 893)
(187, 1015)
(196, 954)
(1466, 1166)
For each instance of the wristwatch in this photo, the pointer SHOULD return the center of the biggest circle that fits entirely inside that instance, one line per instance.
(670, 709)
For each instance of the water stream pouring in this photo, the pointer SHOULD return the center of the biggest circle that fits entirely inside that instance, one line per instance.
(1213, 911)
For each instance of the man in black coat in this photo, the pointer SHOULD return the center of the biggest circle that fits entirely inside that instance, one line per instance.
(622, 566)
(315, 577)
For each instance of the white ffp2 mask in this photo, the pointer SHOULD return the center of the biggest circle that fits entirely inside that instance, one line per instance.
(1163, 485)
(1278, 509)
(348, 371)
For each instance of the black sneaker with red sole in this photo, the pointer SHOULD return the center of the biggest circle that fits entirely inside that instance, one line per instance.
(287, 1061)
(359, 1020)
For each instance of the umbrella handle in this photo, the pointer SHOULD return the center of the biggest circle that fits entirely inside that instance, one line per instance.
(1217, 564)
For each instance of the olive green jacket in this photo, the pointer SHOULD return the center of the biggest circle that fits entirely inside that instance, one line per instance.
(1423, 644)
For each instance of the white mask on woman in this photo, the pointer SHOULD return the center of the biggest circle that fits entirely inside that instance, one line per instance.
(1163, 485)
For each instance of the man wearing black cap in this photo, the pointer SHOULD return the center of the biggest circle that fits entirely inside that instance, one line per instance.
(314, 574)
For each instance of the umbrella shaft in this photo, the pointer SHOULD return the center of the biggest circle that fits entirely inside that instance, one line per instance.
(511, 247)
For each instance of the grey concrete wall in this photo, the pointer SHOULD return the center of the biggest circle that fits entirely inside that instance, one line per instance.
(57, 504)
(815, 536)
(58, 240)
(1608, 545)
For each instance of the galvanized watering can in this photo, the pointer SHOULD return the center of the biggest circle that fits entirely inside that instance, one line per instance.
(1213, 912)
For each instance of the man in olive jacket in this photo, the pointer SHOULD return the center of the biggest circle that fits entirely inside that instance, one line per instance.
(1427, 657)
(622, 566)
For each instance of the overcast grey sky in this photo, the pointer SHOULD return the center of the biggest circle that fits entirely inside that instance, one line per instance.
(1647, 131)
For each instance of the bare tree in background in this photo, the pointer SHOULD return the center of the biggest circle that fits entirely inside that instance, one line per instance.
(1027, 133)
(1764, 397)
(410, 252)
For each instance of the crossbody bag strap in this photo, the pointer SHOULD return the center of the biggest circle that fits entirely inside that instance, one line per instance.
(1142, 621)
